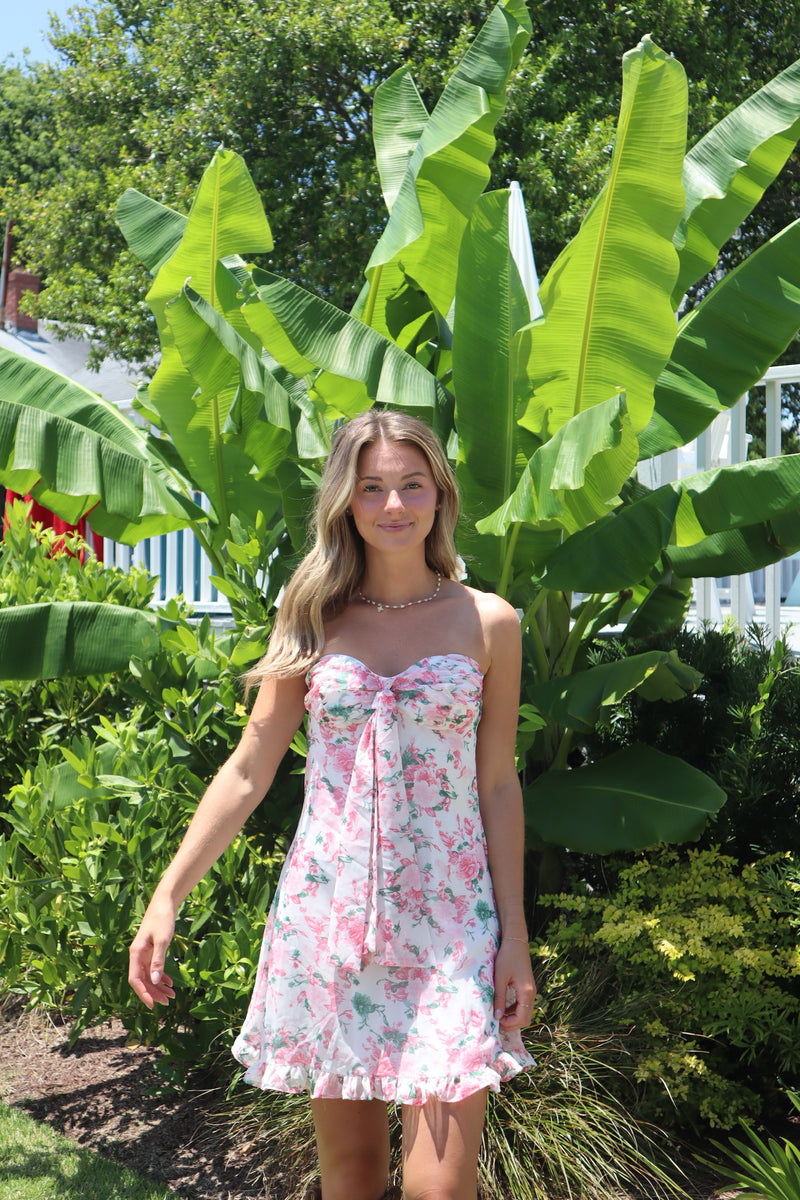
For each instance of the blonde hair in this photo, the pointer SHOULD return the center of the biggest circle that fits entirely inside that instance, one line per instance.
(331, 571)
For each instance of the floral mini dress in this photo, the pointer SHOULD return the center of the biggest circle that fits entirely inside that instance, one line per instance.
(375, 979)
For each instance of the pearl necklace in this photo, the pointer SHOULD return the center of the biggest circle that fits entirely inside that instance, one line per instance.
(380, 607)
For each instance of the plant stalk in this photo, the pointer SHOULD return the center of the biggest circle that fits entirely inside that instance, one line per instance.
(369, 308)
(508, 559)
(217, 561)
(590, 611)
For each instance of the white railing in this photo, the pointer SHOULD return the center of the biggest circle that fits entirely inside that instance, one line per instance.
(770, 596)
(179, 564)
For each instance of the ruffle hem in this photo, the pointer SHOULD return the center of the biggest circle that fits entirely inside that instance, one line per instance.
(324, 1085)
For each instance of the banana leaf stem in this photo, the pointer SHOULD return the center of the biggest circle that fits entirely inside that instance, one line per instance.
(217, 561)
(508, 560)
(372, 295)
(575, 638)
(531, 626)
(562, 754)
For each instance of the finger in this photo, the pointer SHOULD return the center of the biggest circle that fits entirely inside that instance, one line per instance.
(157, 960)
(501, 986)
(147, 978)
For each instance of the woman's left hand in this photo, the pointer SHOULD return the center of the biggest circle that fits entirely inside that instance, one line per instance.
(514, 986)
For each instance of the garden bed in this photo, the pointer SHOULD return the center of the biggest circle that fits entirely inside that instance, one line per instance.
(106, 1096)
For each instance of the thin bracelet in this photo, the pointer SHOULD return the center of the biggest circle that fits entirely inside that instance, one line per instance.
(503, 938)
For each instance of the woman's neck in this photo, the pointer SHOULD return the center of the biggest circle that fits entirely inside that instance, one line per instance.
(397, 582)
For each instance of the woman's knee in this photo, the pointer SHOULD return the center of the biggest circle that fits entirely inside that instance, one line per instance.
(353, 1147)
(441, 1143)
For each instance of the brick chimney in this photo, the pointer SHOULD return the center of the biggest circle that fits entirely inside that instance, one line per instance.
(19, 282)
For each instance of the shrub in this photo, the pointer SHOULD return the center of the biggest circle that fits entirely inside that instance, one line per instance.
(704, 954)
(738, 726)
(89, 837)
(102, 777)
(37, 564)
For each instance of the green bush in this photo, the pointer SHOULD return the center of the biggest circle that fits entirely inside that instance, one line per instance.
(102, 776)
(37, 564)
(703, 954)
(89, 837)
(739, 727)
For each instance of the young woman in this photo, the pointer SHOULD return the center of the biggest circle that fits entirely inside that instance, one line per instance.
(395, 964)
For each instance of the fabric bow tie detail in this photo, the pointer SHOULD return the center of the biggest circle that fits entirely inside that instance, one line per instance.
(379, 912)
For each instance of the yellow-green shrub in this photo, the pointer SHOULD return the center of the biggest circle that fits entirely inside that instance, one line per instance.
(703, 955)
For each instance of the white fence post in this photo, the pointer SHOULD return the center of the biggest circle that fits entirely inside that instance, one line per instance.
(772, 573)
(742, 602)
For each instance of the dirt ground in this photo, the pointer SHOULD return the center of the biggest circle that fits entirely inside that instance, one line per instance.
(107, 1097)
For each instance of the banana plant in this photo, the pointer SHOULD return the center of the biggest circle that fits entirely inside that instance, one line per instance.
(548, 421)
(661, 384)
(245, 426)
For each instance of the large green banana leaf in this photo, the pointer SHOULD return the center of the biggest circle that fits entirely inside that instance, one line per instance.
(489, 373)
(728, 505)
(628, 801)
(738, 496)
(575, 477)
(50, 641)
(725, 345)
(609, 323)
(359, 366)
(727, 172)
(230, 351)
(738, 551)
(226, 217)
(227, 369)
(576, 701)
(448, 168)
(78, 454)
(399, 117)
(152, 230)
(618, 550)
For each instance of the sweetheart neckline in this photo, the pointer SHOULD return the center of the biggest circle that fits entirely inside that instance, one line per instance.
(419, 662)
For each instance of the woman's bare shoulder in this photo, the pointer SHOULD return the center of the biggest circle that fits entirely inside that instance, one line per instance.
(495, 613)
(499, 625)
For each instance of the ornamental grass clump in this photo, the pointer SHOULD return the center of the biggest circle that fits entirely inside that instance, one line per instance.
(559, 1134)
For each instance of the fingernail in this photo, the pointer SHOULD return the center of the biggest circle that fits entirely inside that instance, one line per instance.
(498, 1012)
(155, 977)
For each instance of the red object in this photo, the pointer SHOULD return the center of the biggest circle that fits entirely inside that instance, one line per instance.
(48, 519)
(20, 282)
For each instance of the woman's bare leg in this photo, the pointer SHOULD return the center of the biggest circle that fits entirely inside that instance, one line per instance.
(440, 1148)
(353, 1148)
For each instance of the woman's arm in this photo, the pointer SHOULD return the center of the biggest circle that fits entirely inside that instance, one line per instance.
(237, 788)
(501, 810)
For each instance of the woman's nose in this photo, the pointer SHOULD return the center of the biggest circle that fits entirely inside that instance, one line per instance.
(394, 500)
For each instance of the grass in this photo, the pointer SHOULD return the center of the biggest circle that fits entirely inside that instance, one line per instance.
(36, 1163)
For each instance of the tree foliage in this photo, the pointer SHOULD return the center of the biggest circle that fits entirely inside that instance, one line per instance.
(147, 89)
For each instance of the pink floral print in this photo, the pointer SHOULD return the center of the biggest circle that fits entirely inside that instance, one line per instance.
(376, 972)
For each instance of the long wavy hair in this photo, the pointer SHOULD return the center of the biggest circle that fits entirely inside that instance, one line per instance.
(330, 573)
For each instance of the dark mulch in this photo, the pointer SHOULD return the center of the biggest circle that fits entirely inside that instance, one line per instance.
(106, 1096)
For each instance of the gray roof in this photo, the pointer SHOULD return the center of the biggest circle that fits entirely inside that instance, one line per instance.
(115, 381)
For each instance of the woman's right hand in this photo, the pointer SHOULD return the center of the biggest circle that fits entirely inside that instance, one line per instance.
(147, 955)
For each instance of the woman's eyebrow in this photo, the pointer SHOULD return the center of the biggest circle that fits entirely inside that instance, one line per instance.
(409, 475)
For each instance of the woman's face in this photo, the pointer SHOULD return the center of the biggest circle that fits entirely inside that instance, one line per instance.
(395, 500)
